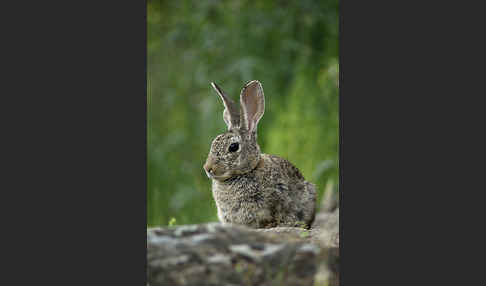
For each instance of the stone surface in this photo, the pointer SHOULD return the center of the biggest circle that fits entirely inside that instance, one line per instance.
(216, 254)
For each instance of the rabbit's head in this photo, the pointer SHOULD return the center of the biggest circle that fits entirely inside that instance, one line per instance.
(236, 151)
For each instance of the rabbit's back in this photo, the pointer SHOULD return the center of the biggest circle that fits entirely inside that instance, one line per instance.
(274, 194)
(297, 197)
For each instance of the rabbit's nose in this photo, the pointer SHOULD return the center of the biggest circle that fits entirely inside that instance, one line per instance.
(209, 169)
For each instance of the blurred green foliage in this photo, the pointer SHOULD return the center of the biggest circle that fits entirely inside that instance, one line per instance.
(291, 47)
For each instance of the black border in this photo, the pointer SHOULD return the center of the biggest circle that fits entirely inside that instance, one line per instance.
(76, 153)
(74, 113)
(403, 148)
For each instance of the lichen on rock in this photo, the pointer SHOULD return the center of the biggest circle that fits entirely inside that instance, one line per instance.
(226, 254)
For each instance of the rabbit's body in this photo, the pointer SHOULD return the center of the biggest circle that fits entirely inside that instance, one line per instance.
(273, 194)
(250, 188)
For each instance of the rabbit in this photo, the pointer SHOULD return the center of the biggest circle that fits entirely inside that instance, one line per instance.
(250, 188)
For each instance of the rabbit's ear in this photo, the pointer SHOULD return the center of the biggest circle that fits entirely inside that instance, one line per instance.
(252, 105)
(231, 114)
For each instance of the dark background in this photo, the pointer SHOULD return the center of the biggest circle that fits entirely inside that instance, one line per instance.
(73, 105)
(291, 47)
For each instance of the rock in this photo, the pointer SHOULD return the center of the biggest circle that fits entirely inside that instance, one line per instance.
(215, 254)
(325, 229)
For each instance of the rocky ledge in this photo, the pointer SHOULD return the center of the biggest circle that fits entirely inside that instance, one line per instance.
(217, 254)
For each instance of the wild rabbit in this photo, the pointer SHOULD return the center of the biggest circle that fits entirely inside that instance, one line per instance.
(251, 188)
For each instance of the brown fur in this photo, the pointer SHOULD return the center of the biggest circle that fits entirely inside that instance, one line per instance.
(250, 188)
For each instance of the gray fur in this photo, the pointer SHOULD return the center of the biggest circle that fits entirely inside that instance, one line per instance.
(251, 188)
(252, 103)
(231, 113)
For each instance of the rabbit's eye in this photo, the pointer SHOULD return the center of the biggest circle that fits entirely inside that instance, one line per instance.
(233, 147)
